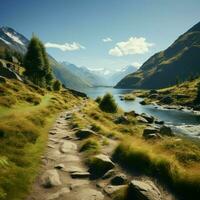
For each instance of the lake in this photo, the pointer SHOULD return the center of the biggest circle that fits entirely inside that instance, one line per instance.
(182, 122)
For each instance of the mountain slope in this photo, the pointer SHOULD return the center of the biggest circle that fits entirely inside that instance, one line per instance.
(85, 74)
(177, 63)
(11, 39)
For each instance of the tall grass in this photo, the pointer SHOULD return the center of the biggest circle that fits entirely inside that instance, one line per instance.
(165, 168)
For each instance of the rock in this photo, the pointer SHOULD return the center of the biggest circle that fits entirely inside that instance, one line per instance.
(8, 73)
(59, 194)
(181, 96)
(153, 96)
(122, 120)
(150, 119)
(68, 147)
(2, 79)
(68, 116)
(143, 102)
(100, 164)
(119, 179)
(73, 168)
(109, 174)
(141, 119)
(150, 130)
(166, 130)
(50, 178)
(84, 133)
(159, 122)
(131, 113)
(166, 100)
(143, 190)
(153, 92)
(80, 174)
(88, 194)
(111, 190)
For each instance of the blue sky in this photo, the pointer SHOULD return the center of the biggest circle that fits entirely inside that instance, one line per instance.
(75, 29)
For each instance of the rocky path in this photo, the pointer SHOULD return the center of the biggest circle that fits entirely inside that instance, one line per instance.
(63, 174)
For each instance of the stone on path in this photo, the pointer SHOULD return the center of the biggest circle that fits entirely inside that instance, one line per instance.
(111, 189)
(59, 194)
(84, 133)
(50, 178)
(68, 147)
(100, 164)
(80, 174)
(143, 190)
(119, 179)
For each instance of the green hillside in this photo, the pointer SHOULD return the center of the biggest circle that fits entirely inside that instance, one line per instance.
(177, 63)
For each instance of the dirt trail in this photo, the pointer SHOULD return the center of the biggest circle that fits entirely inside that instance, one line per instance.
(63, 174)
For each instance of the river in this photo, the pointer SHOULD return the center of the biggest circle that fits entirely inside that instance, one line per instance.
(182, 122)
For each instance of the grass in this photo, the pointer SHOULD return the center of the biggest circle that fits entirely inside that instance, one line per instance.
(157, 161)
(24, 125)
(90, 146)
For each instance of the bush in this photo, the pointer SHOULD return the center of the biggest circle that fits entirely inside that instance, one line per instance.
(57, 85)
(108, 104)
(98, 99)
(90, 145)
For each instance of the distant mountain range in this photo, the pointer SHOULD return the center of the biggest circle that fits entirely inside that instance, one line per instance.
(72, 76)
(177, 63)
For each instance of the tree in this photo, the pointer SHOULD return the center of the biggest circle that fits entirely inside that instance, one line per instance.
(108, 104)
(37, 64)
(197, 99)
(57, 85)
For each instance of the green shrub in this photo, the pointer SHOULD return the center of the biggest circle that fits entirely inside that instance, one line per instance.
(57, 85)
(90, 145)
(108, 104)
(98, 99)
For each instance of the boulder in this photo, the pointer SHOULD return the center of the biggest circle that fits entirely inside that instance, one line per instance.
(143, 102)
(84, 133)
(150, 132)
(100, 164)
(166, 131)
(122, 120)
(150, 119)
(143, 190)
(159, 122)
(141, 119)
(50, 178)
(112, 190)
(119, 179)
(59, 194)
(153, 96)
(152, 136)
(131, 113)
(80, 174)
(166, 100)
(68, 147)
(8, 73)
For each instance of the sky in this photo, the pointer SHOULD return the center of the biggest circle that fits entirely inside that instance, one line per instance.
(108, 34)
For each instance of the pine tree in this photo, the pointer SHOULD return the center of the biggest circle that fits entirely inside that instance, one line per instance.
(37, 65)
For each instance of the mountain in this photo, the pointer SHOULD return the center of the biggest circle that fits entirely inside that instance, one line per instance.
(118, 75)
(11, 39)
(177, 63)
(86, 75)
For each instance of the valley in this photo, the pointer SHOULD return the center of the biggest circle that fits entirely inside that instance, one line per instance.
(81, 118)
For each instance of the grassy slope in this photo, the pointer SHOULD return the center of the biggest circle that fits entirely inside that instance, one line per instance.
(26, 114)
(182, 94)
(174, 161)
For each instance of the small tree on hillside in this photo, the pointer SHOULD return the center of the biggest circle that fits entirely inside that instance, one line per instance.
(57, 85)
(197, 99)
(36, 64)
(108, 104)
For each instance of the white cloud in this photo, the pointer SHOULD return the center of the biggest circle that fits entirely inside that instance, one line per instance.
(137, 64)
(134, 45)
(65, 47)
(108, 39)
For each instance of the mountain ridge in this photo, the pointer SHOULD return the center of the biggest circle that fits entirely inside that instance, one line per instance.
(178, 62)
